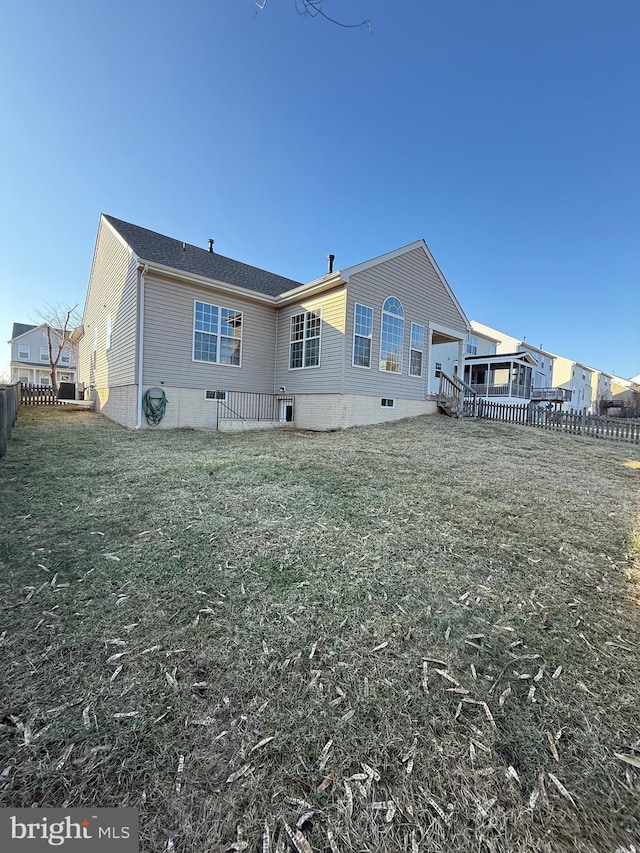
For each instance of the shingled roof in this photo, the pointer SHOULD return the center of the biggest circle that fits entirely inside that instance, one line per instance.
(21, 329)
(156, 248)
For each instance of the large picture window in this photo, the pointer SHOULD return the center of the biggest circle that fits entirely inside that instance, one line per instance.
(362, 331)
(417, 349)
(217, 334)
(304, 341)
(392, 336)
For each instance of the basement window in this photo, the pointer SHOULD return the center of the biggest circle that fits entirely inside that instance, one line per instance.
(215, 395)
(387, 403)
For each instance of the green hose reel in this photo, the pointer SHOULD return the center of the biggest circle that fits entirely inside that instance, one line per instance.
(154, 405)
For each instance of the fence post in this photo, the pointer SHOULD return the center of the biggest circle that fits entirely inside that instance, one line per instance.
(4, 422)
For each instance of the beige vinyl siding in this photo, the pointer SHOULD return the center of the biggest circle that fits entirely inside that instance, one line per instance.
(327, 377)
(168, 339)
(413, 280)
(112, 291)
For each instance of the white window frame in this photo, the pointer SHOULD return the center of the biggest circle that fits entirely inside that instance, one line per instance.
(44, 354)
(472, 345)
(437, 371)
(368, 337)
(107, 332)
(386, 313)
(218, 334)
(212, 396)
(413, 349)
(387, 403)
(24, 348)
(65, 357)
(306, 314)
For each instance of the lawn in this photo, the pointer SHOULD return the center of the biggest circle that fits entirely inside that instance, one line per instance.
(412, 637)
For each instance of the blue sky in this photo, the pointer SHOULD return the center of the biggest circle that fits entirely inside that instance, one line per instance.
(506, 134)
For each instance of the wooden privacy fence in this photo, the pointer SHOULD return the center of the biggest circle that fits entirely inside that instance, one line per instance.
(39, 395)
(616, 429)
(9, 404)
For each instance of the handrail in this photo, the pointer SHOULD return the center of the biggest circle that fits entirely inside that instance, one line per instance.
(457, 395)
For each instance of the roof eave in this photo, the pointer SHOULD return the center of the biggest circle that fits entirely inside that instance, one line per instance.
(327, 282)
(205, 281)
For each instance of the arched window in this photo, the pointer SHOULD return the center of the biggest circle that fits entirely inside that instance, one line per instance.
(392, 335)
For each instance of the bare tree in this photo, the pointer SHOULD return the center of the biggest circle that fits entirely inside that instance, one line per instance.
(59, 320)
(313, 8)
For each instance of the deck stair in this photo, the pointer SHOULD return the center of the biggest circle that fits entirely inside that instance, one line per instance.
(455, 398)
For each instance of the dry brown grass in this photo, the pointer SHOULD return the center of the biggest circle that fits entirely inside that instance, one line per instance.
(414, 637)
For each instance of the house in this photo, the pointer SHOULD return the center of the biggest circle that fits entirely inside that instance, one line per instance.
(542, 375)
(625, 397)
(601, 392)
(504, 369)
(30, 361)
(222, 342)
(576, 378)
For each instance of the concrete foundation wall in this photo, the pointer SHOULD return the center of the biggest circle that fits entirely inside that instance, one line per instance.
(118, 404)
(336, 411)
(187, 408)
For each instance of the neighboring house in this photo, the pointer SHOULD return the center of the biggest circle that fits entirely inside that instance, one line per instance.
(626, 394)
(352, 347)
(576, 378)
(503, 378)
(601, 392)
(30, 356)
(542, 376)
(505, 369)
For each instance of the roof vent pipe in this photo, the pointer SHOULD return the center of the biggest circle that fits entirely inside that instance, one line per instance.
(330, 259)
(211, 242)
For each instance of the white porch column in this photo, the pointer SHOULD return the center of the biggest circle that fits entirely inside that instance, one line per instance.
(429, 364)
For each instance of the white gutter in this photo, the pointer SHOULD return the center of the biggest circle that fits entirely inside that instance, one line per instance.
(143, 270)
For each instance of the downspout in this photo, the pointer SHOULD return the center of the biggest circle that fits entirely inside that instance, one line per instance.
(142, 270)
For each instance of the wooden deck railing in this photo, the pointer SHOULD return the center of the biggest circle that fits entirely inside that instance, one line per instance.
(505, 390)
(553, 395)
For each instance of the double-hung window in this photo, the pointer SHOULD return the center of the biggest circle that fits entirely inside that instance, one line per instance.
(417, 349)
(217, 334)
(24, 352)
(304, 340)
(362, 331)
(65, 357)
(472, 345)
(44, 353)
(392, 336)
